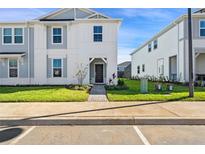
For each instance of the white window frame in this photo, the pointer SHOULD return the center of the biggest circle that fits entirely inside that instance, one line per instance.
(200, 27)
(97, 33)
(57, 67)
(150, 47)
(11, 68)
(143, 66)
(138, 69)
(18, 35)
(57, 35)
(154, 44)
(13, 36)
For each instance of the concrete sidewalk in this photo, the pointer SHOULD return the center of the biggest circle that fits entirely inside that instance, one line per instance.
(86, 113)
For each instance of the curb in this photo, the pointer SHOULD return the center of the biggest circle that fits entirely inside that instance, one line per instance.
(105, 121)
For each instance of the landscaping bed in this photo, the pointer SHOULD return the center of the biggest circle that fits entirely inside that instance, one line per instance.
(43, 94)
(132, 93)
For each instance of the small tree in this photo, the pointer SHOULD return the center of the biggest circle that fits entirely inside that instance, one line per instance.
(81, 73)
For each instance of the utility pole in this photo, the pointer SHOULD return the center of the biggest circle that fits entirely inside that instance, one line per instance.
(191, 82)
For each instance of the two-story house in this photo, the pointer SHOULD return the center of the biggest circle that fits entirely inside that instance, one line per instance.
(52, 49)
(166, 53)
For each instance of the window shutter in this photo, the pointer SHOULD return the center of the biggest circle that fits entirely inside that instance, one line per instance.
(64, 67)
(49, 68)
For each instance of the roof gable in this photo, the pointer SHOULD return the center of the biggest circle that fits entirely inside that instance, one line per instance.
(72, 14)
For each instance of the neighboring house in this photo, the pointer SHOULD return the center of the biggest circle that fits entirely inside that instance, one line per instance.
(124, 70)
(166, 54)
(50, 50)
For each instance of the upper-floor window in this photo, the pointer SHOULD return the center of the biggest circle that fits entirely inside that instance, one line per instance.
(202, 28)
(57, 35)
(7, 35)
(18, 35)
(12, 35)
(143, 67)
(97, 33)
(149, 47)
(57, 68)
(13, 68)
(155, 44)
(138, 69)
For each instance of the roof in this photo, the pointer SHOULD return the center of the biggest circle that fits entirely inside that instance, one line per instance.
(11, 54)
(77, 14)
(125, 64)
(171, 25)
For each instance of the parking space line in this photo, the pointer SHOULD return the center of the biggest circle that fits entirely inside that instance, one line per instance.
(22, 135)
(142, 137)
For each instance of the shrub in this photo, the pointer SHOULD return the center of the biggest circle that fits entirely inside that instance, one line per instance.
(78, 87)
(113, 87)
(120, 82)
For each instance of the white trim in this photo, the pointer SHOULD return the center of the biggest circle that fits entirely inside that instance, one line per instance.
(61, 27)
(142, 137)
(61, 68)
(16, 140)
(95, 73)
(13, 35)
(201, 28)
(97, 33)
(12, 55)
(17, 59)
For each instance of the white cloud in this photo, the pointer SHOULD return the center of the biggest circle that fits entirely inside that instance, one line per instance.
(21, 14)
(124, 54)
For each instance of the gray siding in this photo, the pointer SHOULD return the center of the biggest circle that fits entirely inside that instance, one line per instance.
(69, 14)
(4, 68)
(23, 67)
(23, 64)
(64, 67)
(81, 14)
(195, 28)
(49, 67)
(15, 48)
(56, 46)
(31, 53)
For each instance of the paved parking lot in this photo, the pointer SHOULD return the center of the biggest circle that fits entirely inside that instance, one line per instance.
(124, 134)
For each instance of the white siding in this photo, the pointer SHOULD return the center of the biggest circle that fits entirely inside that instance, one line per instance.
(168, 46)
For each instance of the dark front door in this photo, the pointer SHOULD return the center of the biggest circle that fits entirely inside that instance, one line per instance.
(99, 73)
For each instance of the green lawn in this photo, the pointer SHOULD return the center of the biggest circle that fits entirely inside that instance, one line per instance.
(41, 94)
(133, 93)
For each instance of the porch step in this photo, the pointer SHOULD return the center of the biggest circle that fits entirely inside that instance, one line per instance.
(98, 94)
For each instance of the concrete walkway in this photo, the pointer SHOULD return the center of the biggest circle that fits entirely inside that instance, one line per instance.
(98, 94)
(103, 113)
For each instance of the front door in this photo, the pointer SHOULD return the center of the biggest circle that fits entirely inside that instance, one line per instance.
(98, 73)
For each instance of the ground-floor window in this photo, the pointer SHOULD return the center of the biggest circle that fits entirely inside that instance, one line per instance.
(13, 68)
(138, 69)
(57, 68)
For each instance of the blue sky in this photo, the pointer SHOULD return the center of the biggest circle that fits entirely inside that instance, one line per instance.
(138, 25)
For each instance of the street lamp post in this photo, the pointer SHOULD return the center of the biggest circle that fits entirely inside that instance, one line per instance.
(191, 82)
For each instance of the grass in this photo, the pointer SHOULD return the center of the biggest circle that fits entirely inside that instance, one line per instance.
(133, 93)
(41, 94)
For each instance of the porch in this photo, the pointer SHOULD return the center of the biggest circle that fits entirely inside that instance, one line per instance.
(98, 70)
(199, 64)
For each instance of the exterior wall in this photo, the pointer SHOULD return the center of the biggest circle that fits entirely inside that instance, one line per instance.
(75, 50)
(200, 64)
(168, 46)
(50, 45)
(25, 64)
(198, 42)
